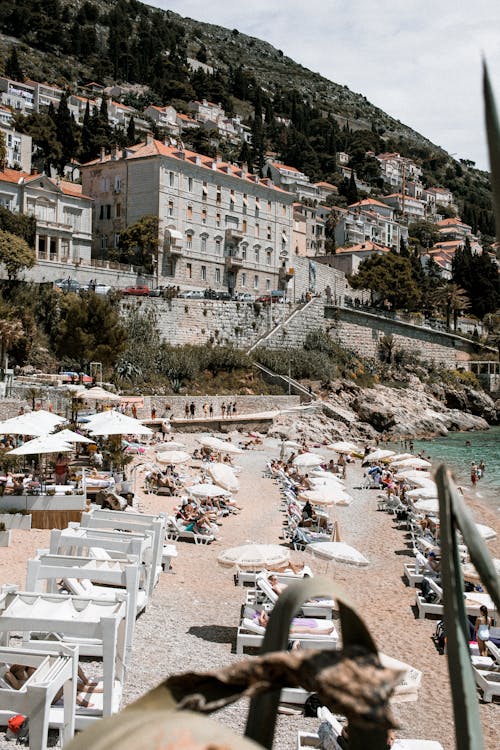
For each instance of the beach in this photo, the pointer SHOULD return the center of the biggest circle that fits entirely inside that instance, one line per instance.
(191, 621)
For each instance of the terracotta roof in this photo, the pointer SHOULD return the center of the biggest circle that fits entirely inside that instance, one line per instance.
(186, 118)
(452, 222)
(369, 202)
(14, 176)
(68, 188)
(73, 188)
(363, 247)
(279, 166)
(326, 185)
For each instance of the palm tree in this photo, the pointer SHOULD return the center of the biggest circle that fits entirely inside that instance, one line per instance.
(453, 300)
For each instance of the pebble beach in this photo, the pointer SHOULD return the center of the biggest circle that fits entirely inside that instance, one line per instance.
(191, 621)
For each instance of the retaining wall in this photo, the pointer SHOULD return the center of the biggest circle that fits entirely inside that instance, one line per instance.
(244, 404)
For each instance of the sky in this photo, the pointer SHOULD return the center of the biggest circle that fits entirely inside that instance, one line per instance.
(418, 60)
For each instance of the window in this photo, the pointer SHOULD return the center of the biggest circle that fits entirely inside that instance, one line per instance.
(203, 244)
(283, 210)
(257, 211)
(204, 216)
(217, 220)
(269, 232)
(244, 225)
(118, 184)
(104, 184)
(218, 198)
(189, 270)
(171, 178)
(73, 218)
(118, 210)
(245, 203)
(255, 282)
(203, 273)
(243, 279)
(204, 191)
(243, 252)
(104, 242)
(65, 248)
(170, 208)
(269, 206)
(218, 247)
(189, 213)
(190, 184)
(117, 240)
(217, 275)
(269, 257)
(231, 198)
(256, 254)
(256, 230)
(268, 285)
(189, 240)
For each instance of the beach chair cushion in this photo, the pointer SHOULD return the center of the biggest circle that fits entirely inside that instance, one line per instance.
(252, 626)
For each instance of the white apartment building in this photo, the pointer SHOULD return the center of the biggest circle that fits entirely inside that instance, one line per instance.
(18, 148)
(20, 97)
(63, 214)
(219, 226)
(411, 209)
(292, 180)
(397, 169)
(165, 117)
(369, 222)
(438, 196)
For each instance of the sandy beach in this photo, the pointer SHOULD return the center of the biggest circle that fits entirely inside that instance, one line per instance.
(191, 622)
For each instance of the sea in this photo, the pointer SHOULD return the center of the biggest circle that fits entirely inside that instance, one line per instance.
(454, 451)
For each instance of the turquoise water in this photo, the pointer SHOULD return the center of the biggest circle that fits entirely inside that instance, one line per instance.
(453, 451)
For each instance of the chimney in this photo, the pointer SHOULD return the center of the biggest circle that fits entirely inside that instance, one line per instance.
(34, 171)
(114, 153)
(197, 159)
(149, 138)
(218, 157)
(103, 154)
(214, 165)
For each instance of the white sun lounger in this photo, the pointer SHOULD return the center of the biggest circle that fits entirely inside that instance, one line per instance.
(251, 635)
(54, 671)
(176, 531)
(264, 593)
(97, 627)
(135, 522)
(79, 541)
(246, 577)
(473, 602)
(80, 576)
(415, 572)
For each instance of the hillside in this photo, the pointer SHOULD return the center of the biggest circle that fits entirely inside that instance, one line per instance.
(70, 42)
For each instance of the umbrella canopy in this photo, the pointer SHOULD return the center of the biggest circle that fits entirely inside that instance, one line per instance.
(308, 459)
(339, 551)
(400, 457)
(217, 444)
(423, 493)
(412, 463)
(170, 445)
(343, 446)
(96, 394)
(254, 556)
(172, 457)
(378, 455)
(72, 437)
(327, 496)
(431, 505)
(291, 444)
(224, 476)
(326, 480)
(43, 444)
(418, 478)
(38, 422)
(115, 423)
(317, 497)
(207, 490)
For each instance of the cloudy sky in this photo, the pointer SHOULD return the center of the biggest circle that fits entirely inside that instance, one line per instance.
(419, 60)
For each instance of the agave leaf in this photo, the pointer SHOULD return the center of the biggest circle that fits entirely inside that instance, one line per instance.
(493, 137)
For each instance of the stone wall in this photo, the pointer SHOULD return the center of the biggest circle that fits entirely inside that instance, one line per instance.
(49, 271)
(324, 276)
(244, 404)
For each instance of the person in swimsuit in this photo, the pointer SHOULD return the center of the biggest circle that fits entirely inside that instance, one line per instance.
(482, 630)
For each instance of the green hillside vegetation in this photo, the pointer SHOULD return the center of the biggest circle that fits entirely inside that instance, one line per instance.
(71, 43)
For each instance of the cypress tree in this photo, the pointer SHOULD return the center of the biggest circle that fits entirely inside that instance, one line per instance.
(87, 139)
(65, 129)
(352, 191)
(131, 132)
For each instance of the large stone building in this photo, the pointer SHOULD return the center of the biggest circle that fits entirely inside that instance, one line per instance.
(219, 226)
(63, 214)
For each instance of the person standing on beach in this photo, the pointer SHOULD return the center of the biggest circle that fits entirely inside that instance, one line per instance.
(211, 410)
(192, 409)
(473, 474)
(186, 410)
(223, 408)
(205, 410)
(482, 467)
(482, 630)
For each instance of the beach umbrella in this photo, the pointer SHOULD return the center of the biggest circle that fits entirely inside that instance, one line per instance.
(378, 455)
(72, 437)
(412, 463)
(291, 444)
(317, 497)
(327, 496)
(343, 446)
(96, 394)
(207, 490)
(431, 505)
(254, 557)
(400, 457)
(217, 444)
(173, 457)
(38, 422)
(339, 551)
(325, 478)
(423, 493)
(418, 478)
(40, 445)
(115, 423)
(170, 445)
(305, 460)
(224, 476)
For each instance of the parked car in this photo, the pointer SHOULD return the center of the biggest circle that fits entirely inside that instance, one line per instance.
(68, 285)
(158, 292)
(102, 288)
(136, 291)
(277, 296)
(244, 297)
(223, 295)
(192, 294)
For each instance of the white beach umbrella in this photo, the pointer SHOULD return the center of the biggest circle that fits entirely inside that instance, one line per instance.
(115, 423)
(415, 477)
(308, 459)
(224, 476)
(339, 551)
(379, 454)
(412, 463)
(327, 496)
(344, 446)
(326, 480)
(291, 444)
(40, 445)
(423, 493)
(400, 457)
(254, 556)
(217, 444)
(172, 457)
(431, 505)
(72, 437)
(207, 490)
(317, 497)
(170, 445)
(96, 394)
(38, 422)
(47, 417)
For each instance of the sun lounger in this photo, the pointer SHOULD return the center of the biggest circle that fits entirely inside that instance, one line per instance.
(54, 671)
(81, 576)
(415, 572)
(251, 635)
(176, 531)
(244, 577)
(97, 627)
(265, 593)
(473, 602)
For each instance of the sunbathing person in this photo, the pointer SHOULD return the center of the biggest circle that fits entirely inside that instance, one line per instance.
(309, 517)
(18, 674)
(303, 625)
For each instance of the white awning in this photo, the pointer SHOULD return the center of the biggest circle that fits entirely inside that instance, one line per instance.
(175, 234)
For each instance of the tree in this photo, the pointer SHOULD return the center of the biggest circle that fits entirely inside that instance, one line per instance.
(423, 234)
(20, 224)
(352, 190)
(131, 137)
(3, 151)
(15, 254)
(492, 323)
(139, 243)
(389, 279)
(12, 67)
(10, 332)
(452, 299)
(65, 131)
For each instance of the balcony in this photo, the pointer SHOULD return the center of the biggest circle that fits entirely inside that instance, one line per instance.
(174, 250)
(234, 235)
(286, 273)
(233, 262)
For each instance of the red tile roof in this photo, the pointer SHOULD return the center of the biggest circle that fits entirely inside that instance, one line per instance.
(368, 202)
(363, 247)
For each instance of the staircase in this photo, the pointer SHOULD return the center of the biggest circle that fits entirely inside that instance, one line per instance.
(279, 326)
